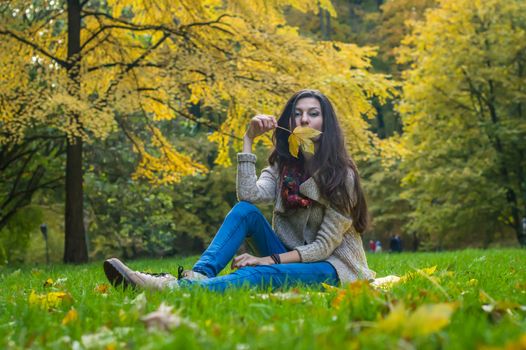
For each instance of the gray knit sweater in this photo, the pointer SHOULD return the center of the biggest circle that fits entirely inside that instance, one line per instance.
(318, 233)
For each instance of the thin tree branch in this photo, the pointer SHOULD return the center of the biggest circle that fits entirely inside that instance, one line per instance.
(122, 64)
(62, 63)
(193, 118)
(459, 104)
(18, 177)
(131, 66)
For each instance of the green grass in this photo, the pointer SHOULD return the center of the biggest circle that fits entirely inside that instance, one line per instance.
(243, 319)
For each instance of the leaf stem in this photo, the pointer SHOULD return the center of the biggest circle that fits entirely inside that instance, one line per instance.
(279, 127)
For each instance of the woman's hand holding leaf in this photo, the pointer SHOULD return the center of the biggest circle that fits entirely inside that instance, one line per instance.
(260, 124)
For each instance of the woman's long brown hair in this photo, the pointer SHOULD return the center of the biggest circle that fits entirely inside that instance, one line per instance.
(330, 163)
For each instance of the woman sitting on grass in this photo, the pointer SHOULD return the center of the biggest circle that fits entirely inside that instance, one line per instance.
(319, 213)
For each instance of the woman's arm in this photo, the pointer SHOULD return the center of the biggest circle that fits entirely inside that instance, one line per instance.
(250, 260)
(248, 187)
(247, 144)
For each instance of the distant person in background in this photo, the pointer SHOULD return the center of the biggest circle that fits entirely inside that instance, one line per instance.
(372, 246)
(378, 248)
(395, 244)
(399, 245)
(392, 244)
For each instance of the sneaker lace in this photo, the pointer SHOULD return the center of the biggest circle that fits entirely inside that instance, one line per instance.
(180, 271)
(157, 279)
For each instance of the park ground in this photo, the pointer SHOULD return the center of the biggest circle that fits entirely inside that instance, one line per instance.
(471, 299)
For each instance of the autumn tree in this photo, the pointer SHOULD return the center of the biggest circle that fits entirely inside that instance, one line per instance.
(394, 23)
(101, 65)
(463, 108)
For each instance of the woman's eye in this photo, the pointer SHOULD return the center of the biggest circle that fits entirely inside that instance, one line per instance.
(314, 114)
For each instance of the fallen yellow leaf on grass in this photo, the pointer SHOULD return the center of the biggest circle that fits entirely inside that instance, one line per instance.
(302, 137)
(425, 320)
(428, 319)
(353, 290)
(395, 319)
(102, 288)
(59, 283)
(330, 288)
(48, 283)
(49, 300)
(71, 316)
(428, 271)
(473, 282)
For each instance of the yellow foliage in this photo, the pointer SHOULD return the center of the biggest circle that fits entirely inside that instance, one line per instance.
(425, 320)
(235, 58)
(428, 271)
(49, 300)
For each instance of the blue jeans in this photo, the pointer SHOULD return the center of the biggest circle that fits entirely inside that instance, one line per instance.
(246, 221)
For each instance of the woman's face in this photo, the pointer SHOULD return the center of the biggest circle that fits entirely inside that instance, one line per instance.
(308, 113)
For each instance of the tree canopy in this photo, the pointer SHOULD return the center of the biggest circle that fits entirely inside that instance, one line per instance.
(463, 108)
(88, 69)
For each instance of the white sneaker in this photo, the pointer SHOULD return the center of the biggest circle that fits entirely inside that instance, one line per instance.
(120, 274)
(191, 275)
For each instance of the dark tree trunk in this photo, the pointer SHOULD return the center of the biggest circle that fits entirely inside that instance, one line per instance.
(380, 120)
(75, 250)
(322, 20)
(327, 25)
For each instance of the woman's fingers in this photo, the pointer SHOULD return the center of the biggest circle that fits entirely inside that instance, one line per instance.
(265, 122)
(243, 260)
(238, 260)
(260, 124)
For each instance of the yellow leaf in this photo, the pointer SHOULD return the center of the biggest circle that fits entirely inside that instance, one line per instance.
(102, 288)
(307, 146)
(302, 137)
(48, 282)
(294, 145)
(428, 319)
(71, 316)
(48, 301)
(394, 320)
(423, 321)
(330, 288)
(352, 291)
(306, 133)
(122, 315)
(419, 272)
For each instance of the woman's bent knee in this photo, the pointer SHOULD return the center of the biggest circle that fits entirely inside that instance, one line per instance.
(242, 208)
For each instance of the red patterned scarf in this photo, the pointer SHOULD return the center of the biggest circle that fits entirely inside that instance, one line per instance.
(293, 176)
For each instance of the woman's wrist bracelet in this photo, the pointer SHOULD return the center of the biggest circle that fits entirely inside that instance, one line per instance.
(276, 258)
